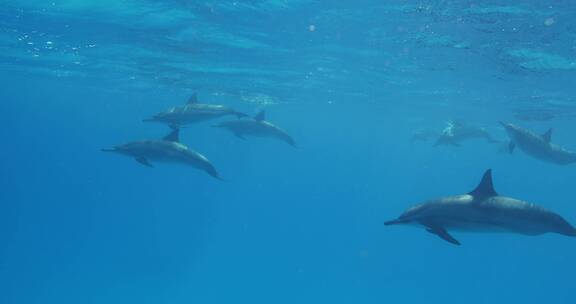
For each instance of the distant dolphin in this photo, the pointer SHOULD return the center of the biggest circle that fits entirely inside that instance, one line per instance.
(537, 146)
(456, 132)
(257, 127)
(192, 112)
(168, 150)
(483, 210)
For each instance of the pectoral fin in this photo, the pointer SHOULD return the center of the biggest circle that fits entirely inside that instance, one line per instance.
(442, 233)
(511, 147)
(144, 161)
(240, 135)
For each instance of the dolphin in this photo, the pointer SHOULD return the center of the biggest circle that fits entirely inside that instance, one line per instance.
(192, 112)
(537, 146)
(257, 127)
(168, 149)
(456, 132)
(483, 210)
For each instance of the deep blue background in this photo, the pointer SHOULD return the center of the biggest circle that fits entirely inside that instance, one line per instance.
(289, 225)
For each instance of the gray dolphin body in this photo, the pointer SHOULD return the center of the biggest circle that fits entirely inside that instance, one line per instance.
(192, 112)
(456, 132)
(257, 127)
(167, 150)
(537, 146)
(483, 210)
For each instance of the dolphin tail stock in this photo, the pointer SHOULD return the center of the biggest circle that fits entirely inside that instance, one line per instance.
(291, 142)
(213, 172)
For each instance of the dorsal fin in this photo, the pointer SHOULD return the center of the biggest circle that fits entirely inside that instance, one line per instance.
(174, 135)
(193, 99)
(260, 116)
(547, 136)
(485, 188)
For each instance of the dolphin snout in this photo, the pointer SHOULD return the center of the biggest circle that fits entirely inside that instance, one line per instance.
(394, 222)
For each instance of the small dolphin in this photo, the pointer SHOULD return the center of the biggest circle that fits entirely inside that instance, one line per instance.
(169, 150)
(456, 132)
(537, 146)
(192, 112)
(483, 210)
(257, 127)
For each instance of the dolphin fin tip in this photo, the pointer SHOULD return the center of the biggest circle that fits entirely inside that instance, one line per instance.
(486, 186)
(443, 234)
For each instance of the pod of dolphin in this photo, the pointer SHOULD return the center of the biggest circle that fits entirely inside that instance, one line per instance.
(483, 209)
(170, 150)
(480, 210)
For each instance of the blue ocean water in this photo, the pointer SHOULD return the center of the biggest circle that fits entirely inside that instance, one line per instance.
(351, 81)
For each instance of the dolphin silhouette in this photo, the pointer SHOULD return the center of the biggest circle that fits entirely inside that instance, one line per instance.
(192, 112)
(457, 132)
(257, 127)
(169, 150)
(537, 146)
(483, 210)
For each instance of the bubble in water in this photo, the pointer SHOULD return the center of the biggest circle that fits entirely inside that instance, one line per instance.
(549, 21)
(312, 27)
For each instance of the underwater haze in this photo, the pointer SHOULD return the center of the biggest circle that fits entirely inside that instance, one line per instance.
(363, 87)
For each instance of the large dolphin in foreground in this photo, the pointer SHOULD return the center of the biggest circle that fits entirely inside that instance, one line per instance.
(168, 150)
(483, 210)
(537, 146)
(456, 132)
(192, 112)
(257, 127)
